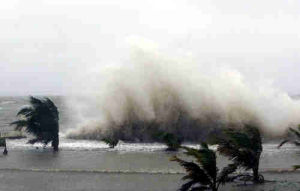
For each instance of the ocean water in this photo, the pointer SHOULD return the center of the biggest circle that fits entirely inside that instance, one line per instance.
(91, 165)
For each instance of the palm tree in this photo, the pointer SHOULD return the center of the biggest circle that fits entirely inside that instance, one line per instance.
(296, 133)
(3, 144)
(243, 147)
(41, 120)
(203, 174)
(112, 142)
(172, 141)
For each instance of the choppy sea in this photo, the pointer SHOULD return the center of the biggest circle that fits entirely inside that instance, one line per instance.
(91, 165)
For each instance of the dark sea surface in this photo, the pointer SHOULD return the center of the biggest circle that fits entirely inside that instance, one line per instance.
(91, 165)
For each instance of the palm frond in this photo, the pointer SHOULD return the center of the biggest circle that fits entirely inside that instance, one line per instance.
(2, 142)
(51, 106)
(283, 142)
(255, 137)
(204, 145)
(296, 167)
(222, 178)
(203, 174)
(295, 132)
(199, 188)
(194, 172)
(32, 141)
(35, 102)
(205, 157)
(240, 156)
(112, 142)
(243, 147)
(25, 111)
(19, 124)
(186, 186)
(41, 120)
(172, 141)
(238, 138)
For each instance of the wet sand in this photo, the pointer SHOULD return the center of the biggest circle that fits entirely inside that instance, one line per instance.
(11, 180)
(125, 169)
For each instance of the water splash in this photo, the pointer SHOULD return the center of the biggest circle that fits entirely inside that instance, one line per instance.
(153, 92)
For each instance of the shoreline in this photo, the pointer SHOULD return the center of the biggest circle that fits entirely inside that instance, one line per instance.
(65, 181)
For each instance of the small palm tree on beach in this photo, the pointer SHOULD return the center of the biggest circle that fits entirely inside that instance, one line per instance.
(172, 141)
(244, 148)
(41, 120)
(203, 174)
(3, 144)
(112, 142)
(295, 140)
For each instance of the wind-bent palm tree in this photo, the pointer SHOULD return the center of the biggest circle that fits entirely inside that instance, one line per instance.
(296, 133)
(203, 174)
(172, 141)
(3, 144)
(112, 142)
(41, 120)
(243, 147)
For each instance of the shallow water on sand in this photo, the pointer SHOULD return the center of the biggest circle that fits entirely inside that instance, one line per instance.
(91, 155)
(66, 181)
(91, 165)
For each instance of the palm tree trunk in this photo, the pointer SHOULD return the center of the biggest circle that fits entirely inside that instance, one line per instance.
(55, 142)
(214, 185)
(255, 173)
(5, 151)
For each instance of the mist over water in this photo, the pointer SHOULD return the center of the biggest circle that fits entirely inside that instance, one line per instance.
(154, 90)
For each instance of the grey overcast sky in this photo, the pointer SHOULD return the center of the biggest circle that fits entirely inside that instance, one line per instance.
(43, 43)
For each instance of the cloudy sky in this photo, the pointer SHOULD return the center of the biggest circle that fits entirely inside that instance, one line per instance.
(44, 44)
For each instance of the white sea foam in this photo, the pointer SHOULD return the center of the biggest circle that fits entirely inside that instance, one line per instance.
(152, 86)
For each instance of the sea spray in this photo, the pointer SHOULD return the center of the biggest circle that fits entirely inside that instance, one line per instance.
(155, 92)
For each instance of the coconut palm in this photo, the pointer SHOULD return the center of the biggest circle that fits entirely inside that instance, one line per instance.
(41, 120)
(203, 174)
(296, 167)
(112, 142)
(172, 141)
(243, 147)
(296, 133)
(3, 144)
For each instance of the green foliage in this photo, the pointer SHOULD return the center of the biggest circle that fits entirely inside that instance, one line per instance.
(203, 174)
(2, 142)
(296, 167)
(173, 142)
(295, 140)
(41, 120)
(243, 147)
(112, 142)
